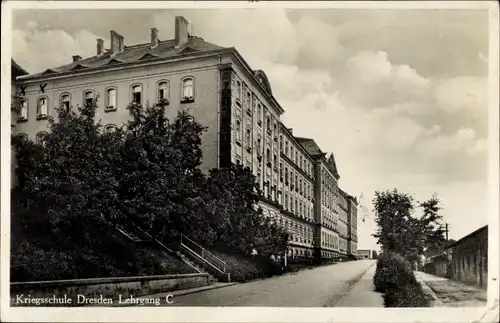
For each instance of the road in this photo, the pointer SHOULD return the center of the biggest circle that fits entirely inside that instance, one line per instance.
(318, 287)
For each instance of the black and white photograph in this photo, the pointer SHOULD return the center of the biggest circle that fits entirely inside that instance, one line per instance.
(205, 157)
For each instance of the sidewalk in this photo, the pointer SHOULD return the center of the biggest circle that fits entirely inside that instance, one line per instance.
(363, 293)
(450, 293)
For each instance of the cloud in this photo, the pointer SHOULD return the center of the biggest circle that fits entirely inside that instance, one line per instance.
(395, 114)
(57, 46)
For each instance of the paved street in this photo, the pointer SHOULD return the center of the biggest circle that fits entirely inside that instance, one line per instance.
(318, 287)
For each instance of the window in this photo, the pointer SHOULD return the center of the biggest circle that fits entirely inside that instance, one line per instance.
(281, 171)
(238, 91)
(249, 99)
(22, 137)
(109, 128)
(286, 174)
(259, 143)
(188, 89)
(137, 94)
(23, 110)
(238, 130)
(66, 101)
(268, 155)
(281, 143)
(42, 108)
(111, 99)
(40, 138)
(248, 137)
(259, 113)
(268, 122)
(88, 98)
(275, 160)
(163, 93)
(286, 147)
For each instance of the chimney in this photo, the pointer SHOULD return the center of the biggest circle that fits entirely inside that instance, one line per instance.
(181, 31)
(154, 37)
(100, 46)
(290, 130)
(76, 58)
(116, 42)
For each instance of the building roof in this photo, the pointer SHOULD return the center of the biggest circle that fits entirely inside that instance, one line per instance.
(313, 149)
(470, 235)
(310, 146)
(17, 70)
(135, 53)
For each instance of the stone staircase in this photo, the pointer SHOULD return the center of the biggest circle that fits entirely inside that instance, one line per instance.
(188, 251)
(203, 259)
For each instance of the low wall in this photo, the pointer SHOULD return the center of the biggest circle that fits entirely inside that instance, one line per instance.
(111, 288)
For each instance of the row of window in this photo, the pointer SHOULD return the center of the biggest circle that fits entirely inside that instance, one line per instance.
(296, 155)
(328, 182)
(329, 240)
(293, 253)
(39, 137)
(136, 96)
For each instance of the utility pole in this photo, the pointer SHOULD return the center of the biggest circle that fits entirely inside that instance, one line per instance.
(446, 230)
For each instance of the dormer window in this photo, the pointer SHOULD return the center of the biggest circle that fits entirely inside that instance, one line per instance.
(187, 89)
(23, 110)
(42, 108)
(137, 94)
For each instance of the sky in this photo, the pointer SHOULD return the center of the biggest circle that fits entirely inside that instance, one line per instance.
(399, 96)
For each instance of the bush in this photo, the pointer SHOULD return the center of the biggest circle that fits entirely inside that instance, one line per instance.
(392, 271)
(394, 277)
(406, 296)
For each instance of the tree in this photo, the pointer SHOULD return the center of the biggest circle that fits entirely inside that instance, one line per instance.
(66, 180)
(160, 175)
(400, 230)
(232, 196)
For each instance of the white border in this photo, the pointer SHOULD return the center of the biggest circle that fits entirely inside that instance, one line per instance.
(251, 314)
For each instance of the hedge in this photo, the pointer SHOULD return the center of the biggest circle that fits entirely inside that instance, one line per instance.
(394, 277)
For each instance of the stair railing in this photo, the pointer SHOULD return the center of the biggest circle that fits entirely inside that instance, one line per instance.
(203, 253)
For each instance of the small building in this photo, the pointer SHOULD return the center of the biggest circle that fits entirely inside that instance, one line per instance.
(365, 254)
(438, 265)
(469, 258)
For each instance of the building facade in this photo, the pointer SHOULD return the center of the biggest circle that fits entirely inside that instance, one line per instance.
(16, 71)
(469, 258)
(352, 226)
(299, 184)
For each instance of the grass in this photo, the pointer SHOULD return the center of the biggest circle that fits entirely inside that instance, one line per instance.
(244, 268)
(32, 261)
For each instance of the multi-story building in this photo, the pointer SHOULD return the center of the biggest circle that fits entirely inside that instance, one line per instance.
(220, 90)
(343, 203)
(352, 242)
(16, 71)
